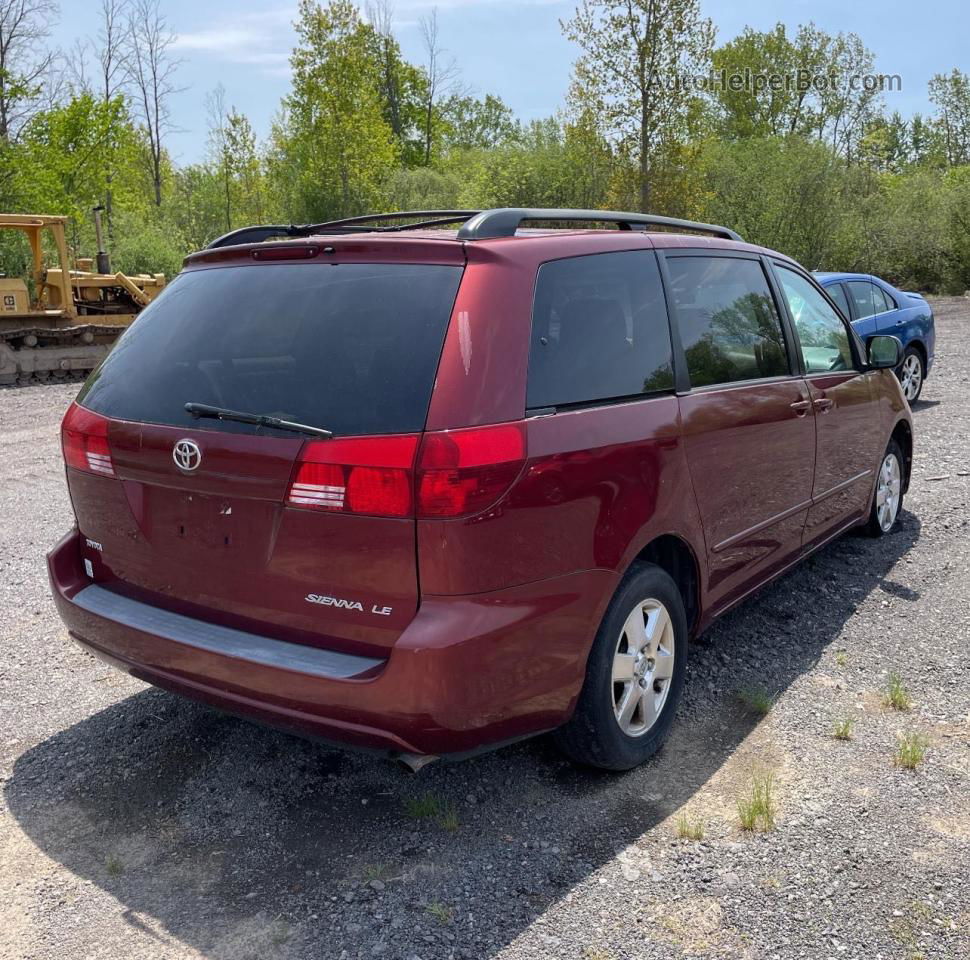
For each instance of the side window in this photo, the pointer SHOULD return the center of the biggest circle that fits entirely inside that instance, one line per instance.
(881, 300)
(861, 293)
(822, 334)
(599, 330)
(837, 292)
(728, 322)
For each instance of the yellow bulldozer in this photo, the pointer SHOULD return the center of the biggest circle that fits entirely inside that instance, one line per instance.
(61, 321)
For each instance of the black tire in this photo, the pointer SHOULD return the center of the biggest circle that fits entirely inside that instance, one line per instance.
(593, 736)
(877, 525)
(912, 384)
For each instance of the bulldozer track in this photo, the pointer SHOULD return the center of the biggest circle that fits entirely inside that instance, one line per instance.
(98, 329)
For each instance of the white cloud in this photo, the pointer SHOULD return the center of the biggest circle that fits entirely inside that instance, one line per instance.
(265, 38)
(260, 39)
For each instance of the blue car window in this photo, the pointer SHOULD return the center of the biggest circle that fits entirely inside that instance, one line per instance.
(880, 301)
(837, 292)
(861, 293)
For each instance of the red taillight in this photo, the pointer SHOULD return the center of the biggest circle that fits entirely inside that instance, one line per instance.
(84, 440)
(368, 475)
(461, 472)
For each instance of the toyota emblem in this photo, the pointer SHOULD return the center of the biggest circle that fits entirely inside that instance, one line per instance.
(187, 455)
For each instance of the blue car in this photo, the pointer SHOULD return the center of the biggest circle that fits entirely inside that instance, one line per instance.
(875, 306)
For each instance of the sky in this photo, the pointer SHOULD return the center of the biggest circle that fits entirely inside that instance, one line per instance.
(512, 48)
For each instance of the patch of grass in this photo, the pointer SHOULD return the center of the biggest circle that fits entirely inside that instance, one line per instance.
(841, 658)
(114, 866)
(280, 933)
(756, 811)
(896, 695)
(689, 828)
(756, 700)
(429, 807)
(842, 730)
(441, 911)
(377, 871)
(448, 818)
(594, 953)
(425, 807)
(910, 750)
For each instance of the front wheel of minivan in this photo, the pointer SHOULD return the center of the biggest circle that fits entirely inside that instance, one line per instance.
(634, 676)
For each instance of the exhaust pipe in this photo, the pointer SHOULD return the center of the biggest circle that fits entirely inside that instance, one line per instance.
(415, 761)
(104, 261)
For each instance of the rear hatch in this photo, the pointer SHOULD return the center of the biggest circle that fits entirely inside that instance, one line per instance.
(265, 528)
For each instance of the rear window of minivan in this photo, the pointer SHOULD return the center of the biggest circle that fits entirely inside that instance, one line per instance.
(352, 347)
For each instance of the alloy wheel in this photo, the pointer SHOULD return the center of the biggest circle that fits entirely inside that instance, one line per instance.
(911, 376)
(643, 666)
(888, 492)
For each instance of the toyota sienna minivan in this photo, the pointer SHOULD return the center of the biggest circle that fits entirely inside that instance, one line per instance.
(430, 490)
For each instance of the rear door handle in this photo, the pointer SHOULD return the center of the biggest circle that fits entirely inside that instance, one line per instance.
(800, 407)
(824, 403)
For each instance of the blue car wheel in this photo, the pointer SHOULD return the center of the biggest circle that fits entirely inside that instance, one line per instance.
(911, 374)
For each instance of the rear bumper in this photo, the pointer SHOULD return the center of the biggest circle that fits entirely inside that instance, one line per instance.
(467, 673)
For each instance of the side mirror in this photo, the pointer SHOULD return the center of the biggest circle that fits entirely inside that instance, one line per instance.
(884, 352)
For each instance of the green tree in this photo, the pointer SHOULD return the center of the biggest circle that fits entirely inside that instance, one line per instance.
(236, 162)
(638, 56)
(402, 86)
(68, 152)
(786, 193)
(761, 82)
(332, 150)
(950, 94)
(470, 122)
(24, 62)
(766, 84)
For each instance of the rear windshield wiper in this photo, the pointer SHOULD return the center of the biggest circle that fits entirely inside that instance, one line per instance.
(259, 419)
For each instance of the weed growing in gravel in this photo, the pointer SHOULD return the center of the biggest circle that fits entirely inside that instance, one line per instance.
(449, 818)
(377, 871)
(690, 828)
(756, 700)
(841, 658)
(897, 696)
(441, 911)
(757, 810)
(843, 728)
(425, 807)
(280, 933)
(429, 807)
(910, 750)
(114, 866)
(593, 953)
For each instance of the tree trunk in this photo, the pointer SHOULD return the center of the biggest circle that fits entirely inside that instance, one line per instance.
(427, 133)
(645, 185)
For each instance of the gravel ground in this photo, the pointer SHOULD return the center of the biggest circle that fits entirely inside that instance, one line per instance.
(134, 824)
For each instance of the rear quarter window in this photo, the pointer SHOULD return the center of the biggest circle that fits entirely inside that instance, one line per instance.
(599, 330)
(352, 348)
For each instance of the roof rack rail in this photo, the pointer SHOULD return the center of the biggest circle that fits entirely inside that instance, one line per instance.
(476, 224)
(424, 218)
(504, 222)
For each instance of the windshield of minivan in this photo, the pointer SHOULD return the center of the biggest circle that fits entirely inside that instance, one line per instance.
(352, 347)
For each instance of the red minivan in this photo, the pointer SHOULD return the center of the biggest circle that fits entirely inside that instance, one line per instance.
(429, 491)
